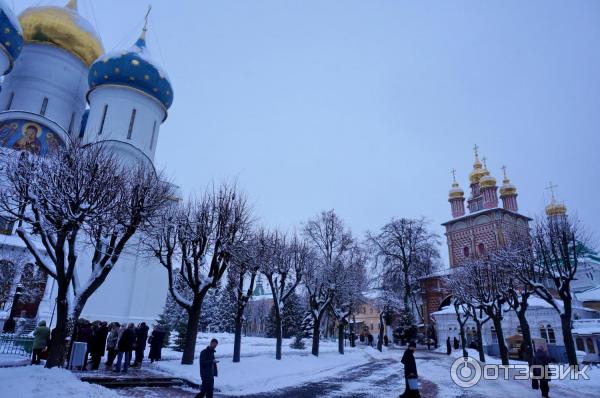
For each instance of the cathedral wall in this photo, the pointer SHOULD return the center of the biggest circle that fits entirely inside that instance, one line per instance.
(114, 124)
(46, 72)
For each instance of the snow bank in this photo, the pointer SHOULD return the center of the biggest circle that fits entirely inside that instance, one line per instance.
(37, 381)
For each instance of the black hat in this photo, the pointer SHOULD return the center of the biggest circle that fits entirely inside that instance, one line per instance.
(412, 344)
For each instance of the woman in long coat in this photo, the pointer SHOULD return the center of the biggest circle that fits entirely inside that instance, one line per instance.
(156, 343)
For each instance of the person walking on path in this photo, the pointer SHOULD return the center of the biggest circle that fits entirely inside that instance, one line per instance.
(40, 342)
(111, 344)
(208, 370)
(124, 346)
(541, 360)
(448, 346)
(456, 345)
(410, 372)
(156, 341)
(141, 335)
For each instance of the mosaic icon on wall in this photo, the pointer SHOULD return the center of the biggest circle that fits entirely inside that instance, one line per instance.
(29, 136)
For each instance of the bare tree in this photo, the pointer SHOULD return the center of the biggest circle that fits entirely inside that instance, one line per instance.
(406, 251)
(556, 244)
(331, 243)
(488, 283)
(282, 262)
(463, 300)
(60, 201)
(350, 281)
(387, 304)
(244, 269)
(197, 242)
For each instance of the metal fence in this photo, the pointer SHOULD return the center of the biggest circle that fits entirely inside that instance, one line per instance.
(16, 345)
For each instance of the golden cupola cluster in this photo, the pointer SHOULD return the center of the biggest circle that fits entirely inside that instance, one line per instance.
(479, 171)
(62, 27)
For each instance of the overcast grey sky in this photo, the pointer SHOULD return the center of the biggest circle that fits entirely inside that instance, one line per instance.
(366, 106)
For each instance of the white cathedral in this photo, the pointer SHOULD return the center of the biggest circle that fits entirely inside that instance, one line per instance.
(58, 83)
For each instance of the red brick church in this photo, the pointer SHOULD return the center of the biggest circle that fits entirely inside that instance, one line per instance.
(484, 228)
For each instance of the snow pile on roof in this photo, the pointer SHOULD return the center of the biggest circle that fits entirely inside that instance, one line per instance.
(592, 294)
(37, 381)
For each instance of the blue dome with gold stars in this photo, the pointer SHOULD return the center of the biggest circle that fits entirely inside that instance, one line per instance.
(11, 35)
(133, 68)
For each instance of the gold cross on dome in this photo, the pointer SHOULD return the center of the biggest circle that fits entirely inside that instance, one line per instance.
(453, 171)
(503, 170)
(484, 160)
(476, 150)
(551, 188)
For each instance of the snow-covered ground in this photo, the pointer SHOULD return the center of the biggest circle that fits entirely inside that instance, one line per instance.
(36, 381)
(259, 371)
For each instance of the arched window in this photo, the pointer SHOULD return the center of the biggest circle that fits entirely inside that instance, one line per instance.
(480, 249)
(579, 342)
(590, 345)
(466, 251)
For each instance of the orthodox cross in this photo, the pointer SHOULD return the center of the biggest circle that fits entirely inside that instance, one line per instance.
(453, 171)
(504, 171)
(551, 188)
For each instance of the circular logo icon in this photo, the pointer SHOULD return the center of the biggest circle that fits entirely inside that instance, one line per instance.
(465, 372)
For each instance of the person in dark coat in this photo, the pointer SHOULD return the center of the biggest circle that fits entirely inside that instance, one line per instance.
(156, 341)
(98, 344)
(208, 370)
(448, 346)
(141, 335)
(410, 370)
(84, 335)
(370, 339)
(456, 345)
(124, 347)
(540, 359)
(40, 342)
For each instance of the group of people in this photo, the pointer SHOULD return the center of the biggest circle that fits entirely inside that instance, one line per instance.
(119, 341)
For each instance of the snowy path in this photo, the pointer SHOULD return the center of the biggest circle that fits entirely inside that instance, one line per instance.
(381, 378)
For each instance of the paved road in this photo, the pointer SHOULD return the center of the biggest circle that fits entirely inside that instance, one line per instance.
(382, 378)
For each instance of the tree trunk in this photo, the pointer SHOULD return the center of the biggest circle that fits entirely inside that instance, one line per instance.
(480, 341)
(526, 331)
(58, 348)
(191, 333)
(500, 337)
(237, 341)
(352, 336)
(278, 333)
(316, 336)
(381, 332)
(565, 321)
(463, 339)
(341, 337)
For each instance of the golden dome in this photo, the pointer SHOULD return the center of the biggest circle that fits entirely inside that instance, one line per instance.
(487, 181)
(479, 170)
(456, 192)
(62, 27)
(507, 189)
(556, 209)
